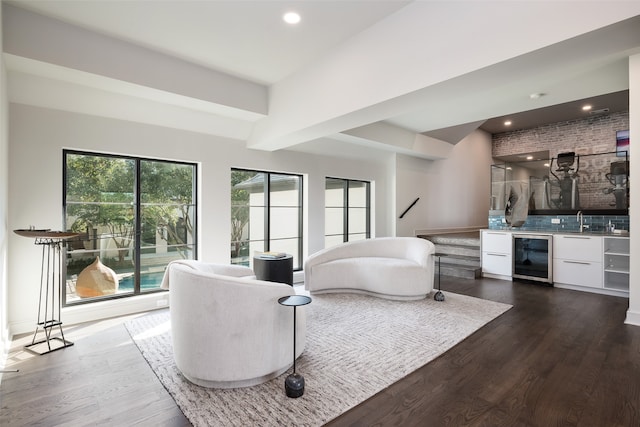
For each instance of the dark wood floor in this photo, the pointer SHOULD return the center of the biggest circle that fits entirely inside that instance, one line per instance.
(557, 358)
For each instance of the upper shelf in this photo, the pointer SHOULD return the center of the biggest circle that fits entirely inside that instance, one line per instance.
(45, 234)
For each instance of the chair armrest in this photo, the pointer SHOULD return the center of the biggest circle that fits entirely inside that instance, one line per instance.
(231, 270)
(206, 267)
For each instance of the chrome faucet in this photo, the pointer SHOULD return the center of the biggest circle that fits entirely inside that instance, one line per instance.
(580, 219)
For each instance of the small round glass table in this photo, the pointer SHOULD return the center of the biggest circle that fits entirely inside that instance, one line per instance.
(294, 383)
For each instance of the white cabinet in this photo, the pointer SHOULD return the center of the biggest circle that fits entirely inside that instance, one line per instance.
(497, 250)
(584, 262)
(577, 260)
(616, 263)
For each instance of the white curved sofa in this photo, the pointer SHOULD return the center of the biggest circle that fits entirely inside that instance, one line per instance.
(387, 267)
(228, 328)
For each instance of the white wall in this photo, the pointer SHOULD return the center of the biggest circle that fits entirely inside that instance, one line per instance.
(454, 192)
(38, 136)
(633, 314)
(4, 177)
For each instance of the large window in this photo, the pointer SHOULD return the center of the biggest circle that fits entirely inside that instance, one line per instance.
(347, 211)
(266, 215)
(133, 216)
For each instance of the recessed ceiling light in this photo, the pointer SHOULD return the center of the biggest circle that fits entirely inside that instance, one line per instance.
(507, 123)
(546, 165)
(291, 18)
(537, 95)
(529, 157)
(586, 107)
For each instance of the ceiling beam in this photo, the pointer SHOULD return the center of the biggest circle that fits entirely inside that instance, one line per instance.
(416, 56)
(39, 38)
(392, 138)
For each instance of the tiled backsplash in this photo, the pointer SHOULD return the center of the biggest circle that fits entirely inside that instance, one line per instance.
(596, 223)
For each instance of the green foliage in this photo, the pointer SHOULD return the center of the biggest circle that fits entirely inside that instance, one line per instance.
(101, 195)
(239, 208)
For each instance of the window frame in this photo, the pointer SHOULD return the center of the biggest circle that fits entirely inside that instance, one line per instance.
(267, 209)
(137, 208)
(346, 184)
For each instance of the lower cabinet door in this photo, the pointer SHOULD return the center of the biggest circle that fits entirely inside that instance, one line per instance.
(496, 263)
(580, 273)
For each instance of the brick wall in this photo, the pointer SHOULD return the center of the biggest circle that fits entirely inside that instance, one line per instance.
(589, 138)
(595, 134)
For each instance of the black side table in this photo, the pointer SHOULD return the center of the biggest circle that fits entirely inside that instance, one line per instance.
(294, 383)
(274, 269)
(439, 296)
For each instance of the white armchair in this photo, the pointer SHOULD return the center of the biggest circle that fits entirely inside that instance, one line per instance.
(388, 267)
(228, 329)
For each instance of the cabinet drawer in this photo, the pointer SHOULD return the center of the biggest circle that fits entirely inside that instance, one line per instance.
(580, 273)
(496, 263)
(497, 241)
(579, 248)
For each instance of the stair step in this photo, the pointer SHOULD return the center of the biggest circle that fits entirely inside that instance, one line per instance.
(458, 239)
(458, 271)
(469, 261)
(460, 250)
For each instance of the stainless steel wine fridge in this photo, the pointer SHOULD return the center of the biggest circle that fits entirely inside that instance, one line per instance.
(532, 257)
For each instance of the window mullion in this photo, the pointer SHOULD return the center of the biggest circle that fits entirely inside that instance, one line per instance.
(267, 212)
(300, 217)
(138, 226)
(368, 211)
(345, 217)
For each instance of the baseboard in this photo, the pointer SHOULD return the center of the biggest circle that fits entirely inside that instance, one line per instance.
(497, 276)
(633, 318)
(100, 310)
(602, 291)
(429, 231)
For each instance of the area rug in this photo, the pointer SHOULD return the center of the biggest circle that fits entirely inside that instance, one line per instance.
(356, 346)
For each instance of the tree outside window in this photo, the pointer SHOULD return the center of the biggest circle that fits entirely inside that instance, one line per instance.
(134, 215)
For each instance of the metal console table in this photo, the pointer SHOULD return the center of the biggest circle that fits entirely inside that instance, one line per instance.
(50, 299)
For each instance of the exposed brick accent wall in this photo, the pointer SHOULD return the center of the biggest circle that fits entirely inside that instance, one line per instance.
(592, 135)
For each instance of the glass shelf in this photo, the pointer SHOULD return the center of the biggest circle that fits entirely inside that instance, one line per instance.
(617, 270)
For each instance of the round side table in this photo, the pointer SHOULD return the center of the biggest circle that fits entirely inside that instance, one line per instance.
(439, 296)
(274, 269)
(294, 383)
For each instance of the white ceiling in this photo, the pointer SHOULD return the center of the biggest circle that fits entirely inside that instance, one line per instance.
(241, 37)
(437, 68)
